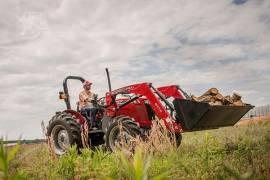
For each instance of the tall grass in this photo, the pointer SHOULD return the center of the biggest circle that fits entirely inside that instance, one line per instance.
(6, 156)
(226, 153)
(158, 140)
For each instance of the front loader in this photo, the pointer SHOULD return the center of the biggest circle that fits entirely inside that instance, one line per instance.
(201, 115)
(128, 112)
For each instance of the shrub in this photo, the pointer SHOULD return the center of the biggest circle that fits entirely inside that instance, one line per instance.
(6, 156)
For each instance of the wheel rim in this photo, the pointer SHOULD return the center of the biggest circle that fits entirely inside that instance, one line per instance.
(60, 139)
(63, 139)
(118, 140)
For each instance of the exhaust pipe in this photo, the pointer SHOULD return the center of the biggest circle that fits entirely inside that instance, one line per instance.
(109, 80)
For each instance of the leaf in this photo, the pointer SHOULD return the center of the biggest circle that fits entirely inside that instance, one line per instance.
(11, 154)
(161, 176)
(146, 167)
(126, 165)
(138, 165)
(2, 164)
(233, 172)
(3, 161)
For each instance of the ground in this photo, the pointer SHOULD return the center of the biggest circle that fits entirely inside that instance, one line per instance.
(240, 152)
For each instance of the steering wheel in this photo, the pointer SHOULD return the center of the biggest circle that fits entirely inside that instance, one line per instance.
(101, 102)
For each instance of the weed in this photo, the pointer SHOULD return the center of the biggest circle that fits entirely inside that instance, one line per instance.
(137, 167)
(6, 156)
(67, 163)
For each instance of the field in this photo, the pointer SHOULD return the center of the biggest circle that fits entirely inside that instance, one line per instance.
(239, 152)
(254, 120)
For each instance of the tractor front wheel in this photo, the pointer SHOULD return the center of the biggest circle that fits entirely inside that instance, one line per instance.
(64, 132)
(121, 133)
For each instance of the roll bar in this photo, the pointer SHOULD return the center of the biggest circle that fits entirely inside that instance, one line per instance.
(65, 87)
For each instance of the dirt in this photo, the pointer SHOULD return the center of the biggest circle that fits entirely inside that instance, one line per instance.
(254, 120)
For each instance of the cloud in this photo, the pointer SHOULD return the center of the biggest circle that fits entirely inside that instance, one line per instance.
(196, 44)
(239, 2)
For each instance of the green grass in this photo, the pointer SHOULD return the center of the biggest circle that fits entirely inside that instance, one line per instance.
(240, 152)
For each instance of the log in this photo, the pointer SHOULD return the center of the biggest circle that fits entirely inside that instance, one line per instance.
(238, 103)
(216, 103)
(236, 97)
(204, 98)
(201, 98)
(228, 100)
(214, 98)
(194, 98)
(219, 97)
(211, 91)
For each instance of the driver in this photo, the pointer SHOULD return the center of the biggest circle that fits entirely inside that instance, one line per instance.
(86, 98)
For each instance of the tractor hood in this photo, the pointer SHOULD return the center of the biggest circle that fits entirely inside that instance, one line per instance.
(201, 116)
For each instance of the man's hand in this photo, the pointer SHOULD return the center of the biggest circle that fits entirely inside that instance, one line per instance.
(95, 96)
(93, 99)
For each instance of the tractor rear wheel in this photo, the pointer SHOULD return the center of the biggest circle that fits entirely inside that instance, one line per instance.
(64, 131)
(121, 132)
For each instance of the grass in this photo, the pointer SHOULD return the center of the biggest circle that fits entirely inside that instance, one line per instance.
(239, 152)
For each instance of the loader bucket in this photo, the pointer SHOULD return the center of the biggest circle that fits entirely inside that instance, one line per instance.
(201, 116)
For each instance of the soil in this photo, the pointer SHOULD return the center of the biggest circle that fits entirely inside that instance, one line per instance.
(254, 120)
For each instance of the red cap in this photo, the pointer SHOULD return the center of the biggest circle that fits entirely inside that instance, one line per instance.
(86, 83)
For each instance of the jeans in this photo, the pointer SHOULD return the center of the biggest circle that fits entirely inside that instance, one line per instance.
(90, 113)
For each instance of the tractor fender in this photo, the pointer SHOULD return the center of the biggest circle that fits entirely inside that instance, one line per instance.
(77, 115)
(105, 122)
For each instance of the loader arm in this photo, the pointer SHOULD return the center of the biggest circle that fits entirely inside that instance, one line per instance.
(153, 96)
(173, 91)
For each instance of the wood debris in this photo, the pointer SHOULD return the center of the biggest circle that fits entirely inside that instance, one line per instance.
(214, 98)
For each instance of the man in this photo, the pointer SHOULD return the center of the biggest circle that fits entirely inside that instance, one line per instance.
(86, 98)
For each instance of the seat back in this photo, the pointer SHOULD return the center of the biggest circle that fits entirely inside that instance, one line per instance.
(78, 106)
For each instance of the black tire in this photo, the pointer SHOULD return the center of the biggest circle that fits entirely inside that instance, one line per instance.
(64, 131)
(124, 124)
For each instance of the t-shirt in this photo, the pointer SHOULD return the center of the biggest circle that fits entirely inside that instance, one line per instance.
(84, 98)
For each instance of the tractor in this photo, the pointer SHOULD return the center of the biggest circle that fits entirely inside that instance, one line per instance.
(130, 111)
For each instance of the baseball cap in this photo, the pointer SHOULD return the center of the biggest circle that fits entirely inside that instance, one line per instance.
(86, 83)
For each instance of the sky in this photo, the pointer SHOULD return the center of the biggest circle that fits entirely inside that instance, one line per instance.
(195, 44)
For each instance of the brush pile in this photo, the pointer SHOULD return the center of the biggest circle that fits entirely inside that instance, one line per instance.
(213, 97)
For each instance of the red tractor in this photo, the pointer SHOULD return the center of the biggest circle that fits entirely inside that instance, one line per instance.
(135, 107)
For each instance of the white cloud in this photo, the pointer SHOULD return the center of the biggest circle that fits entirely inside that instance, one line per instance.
(196, 44)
